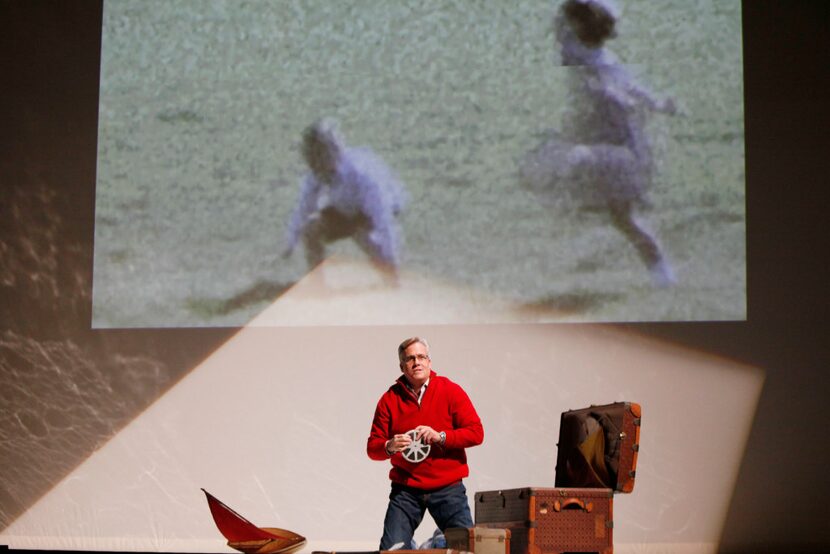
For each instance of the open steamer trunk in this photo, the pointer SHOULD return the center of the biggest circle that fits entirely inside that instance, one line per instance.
(598, 447)
(596, 458)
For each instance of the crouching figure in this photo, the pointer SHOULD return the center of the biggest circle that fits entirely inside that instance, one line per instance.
(346, 193)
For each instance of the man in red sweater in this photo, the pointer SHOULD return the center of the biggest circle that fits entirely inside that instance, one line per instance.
(441, 415)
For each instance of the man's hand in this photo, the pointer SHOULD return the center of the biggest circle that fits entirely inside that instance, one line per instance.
(428, 435)
(398, 443)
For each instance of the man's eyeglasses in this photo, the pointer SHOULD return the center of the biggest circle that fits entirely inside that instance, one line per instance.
(419, 357)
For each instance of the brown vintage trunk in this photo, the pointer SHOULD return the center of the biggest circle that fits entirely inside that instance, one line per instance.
(550, 520)
(598, 447)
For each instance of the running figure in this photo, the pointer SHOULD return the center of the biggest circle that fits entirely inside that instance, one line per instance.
(602, 158)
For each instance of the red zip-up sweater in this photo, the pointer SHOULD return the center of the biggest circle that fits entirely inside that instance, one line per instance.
(444, 407)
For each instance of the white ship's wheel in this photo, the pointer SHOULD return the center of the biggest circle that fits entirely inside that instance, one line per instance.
(417, 451)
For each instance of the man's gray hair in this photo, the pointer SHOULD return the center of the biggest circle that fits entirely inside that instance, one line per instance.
(409, 342)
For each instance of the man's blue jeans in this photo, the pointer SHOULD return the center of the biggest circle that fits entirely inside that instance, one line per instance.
(448, 506)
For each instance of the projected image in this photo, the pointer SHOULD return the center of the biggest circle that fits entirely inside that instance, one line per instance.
(321, 163)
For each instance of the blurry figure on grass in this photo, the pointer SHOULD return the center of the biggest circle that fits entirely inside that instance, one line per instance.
(347, 193)
(601, 158)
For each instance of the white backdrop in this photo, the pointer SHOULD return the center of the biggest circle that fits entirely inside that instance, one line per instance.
(274, 423)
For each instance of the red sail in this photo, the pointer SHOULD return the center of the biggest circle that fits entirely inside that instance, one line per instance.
(233, 526)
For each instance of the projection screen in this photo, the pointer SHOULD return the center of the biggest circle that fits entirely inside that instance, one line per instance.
(203, 106)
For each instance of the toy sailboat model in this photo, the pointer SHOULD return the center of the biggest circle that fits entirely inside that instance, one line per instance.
(246, 537)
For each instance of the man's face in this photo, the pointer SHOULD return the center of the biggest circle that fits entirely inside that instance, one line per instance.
(416, 364)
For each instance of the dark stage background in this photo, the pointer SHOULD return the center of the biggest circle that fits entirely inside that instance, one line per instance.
(49, 66)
